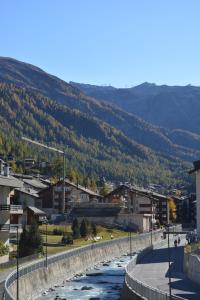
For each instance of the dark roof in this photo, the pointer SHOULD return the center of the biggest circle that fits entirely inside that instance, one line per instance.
(95, 212)
(196, 165)
(29, 191)
(141, 191)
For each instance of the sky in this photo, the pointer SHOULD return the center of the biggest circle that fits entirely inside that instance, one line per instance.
(106, 42)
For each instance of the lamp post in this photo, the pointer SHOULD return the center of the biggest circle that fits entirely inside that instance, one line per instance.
(169, 263)
(60, 152)
(46, 254)
(17, 262)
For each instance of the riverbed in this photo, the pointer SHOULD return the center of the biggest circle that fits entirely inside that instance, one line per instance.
(102, 282)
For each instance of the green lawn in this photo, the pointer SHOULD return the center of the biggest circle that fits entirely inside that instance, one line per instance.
(103, 232)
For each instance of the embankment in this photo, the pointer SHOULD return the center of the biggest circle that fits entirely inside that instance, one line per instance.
(35, 278)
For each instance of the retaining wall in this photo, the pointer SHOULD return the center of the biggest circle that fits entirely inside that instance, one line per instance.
(136, 290)
(192, 266)
(35, 278)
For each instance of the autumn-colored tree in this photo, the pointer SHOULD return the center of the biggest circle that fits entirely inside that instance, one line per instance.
(172, 209)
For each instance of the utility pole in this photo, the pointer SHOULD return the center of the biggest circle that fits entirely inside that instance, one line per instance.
(63, 195)
(60, 152)
(169, 264)
(17, 262)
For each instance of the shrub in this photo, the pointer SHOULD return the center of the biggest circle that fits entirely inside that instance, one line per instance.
(4, 249)
(67, 240)
(57, 231)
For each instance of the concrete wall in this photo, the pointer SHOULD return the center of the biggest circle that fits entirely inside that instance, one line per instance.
(198, 200)
(137, 290)
(4, 259)
(77, 261)
(192, 266)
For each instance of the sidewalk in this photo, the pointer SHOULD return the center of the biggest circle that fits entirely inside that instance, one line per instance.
(153, 270)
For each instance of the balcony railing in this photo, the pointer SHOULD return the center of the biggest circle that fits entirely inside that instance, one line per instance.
(11, 227)
(12, 208)
(4, 207)
(16, 209)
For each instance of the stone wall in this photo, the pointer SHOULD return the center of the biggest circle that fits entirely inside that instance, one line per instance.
(78, 260)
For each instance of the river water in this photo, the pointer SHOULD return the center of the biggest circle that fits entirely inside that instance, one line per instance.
(102, 282)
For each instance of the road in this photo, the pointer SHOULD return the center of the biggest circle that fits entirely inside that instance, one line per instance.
(153, 270)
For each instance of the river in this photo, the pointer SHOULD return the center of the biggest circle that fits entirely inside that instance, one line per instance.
(102, 282)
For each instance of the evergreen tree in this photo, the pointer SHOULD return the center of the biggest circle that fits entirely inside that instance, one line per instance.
(84, 229)
(30, 241)
(93, 229)
(35, 238)
(75, 229)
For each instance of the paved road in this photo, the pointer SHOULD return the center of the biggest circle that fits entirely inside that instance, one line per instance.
(153, 270)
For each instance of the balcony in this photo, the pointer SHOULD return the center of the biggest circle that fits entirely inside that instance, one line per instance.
(12, 228)
(4, 207)
(16, 209)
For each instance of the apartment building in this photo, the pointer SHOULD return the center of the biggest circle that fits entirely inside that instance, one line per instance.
(9, 213)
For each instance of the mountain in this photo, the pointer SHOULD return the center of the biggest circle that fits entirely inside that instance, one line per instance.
(132, 126)
(103, 139)
(172, 107)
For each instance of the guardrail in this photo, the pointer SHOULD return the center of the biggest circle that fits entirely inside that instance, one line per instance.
(62, 256)
(16, 208)
(142, 289)
(4, 207)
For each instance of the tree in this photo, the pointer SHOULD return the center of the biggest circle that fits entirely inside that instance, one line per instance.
(93, 229)
(75, 229)
(172, 209)
(84, 229)
(104, 190)
(30, 241)
(4, 249)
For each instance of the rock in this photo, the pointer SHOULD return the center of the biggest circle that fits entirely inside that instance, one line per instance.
(86, 288)
(94, 298)
(94, 274)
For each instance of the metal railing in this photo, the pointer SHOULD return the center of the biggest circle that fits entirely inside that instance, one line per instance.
(62, 256)
(16, 208)
(4, 207)
(144, 290)
(10, 227)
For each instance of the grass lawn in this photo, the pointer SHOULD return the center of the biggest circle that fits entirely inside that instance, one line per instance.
(192, 247)
(103, 232)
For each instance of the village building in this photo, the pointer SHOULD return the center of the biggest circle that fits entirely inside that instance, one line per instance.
(33, 214)
(75, 195)
(196, 171)
(9, 213)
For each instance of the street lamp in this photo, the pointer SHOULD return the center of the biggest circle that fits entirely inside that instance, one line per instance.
(46, 254)
(58, 151)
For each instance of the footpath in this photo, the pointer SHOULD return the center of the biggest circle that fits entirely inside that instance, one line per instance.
(153, 270)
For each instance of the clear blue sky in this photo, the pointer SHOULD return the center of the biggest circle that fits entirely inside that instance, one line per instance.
(117, 42)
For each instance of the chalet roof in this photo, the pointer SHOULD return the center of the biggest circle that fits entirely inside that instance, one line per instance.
(35, 183)
(196, 165)
(10, 181)
(28, 191)
(139, 190)
(80, 187)
(36, 211)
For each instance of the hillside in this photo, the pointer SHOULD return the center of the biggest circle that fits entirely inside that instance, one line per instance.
(172, 107)
(94, 147)
(103, 139)
(140, 131)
